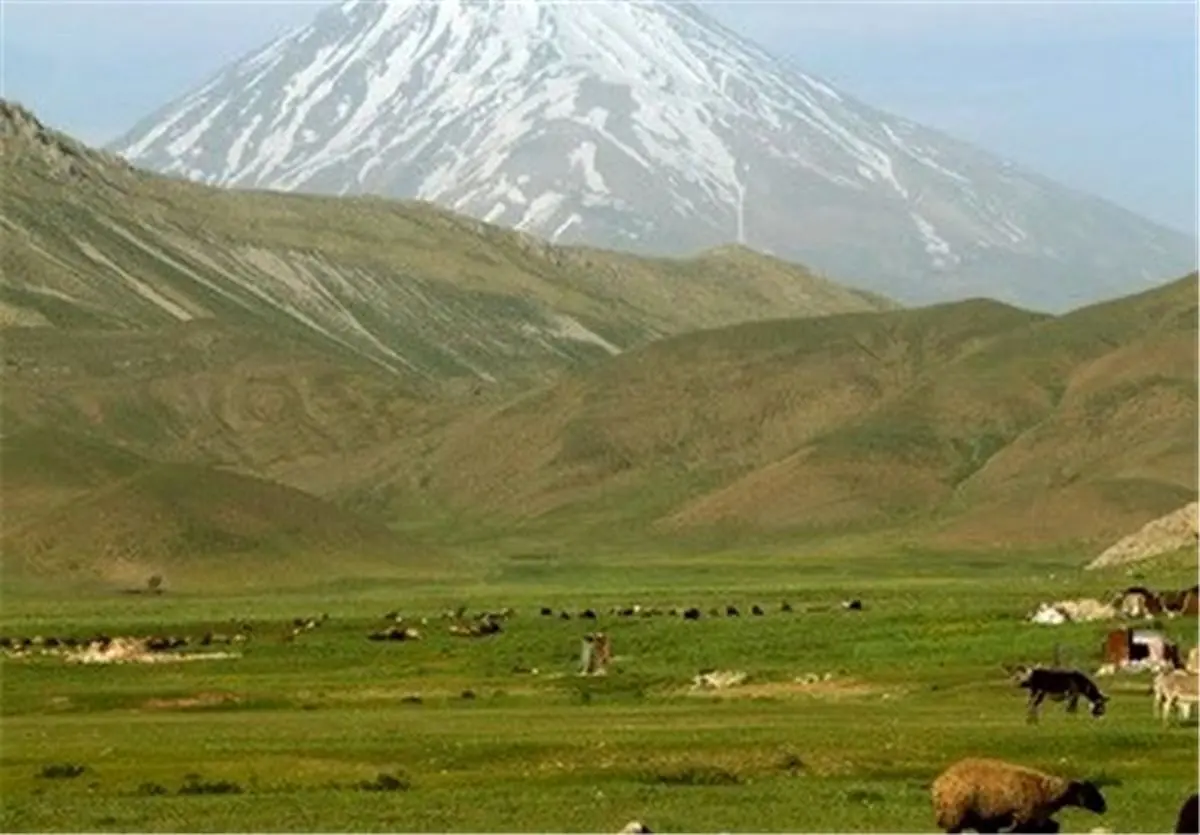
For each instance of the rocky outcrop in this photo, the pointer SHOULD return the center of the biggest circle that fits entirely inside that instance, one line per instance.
(1177, 529)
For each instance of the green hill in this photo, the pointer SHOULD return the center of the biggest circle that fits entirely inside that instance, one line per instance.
(77, 511)
(87, 242)
(971, 424)
(976, 422)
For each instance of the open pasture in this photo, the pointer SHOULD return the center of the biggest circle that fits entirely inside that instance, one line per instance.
(331, 731)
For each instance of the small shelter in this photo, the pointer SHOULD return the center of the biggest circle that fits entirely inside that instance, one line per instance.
(1138, 649)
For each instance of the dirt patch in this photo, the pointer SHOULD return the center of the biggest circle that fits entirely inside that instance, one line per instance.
(830, 688)
(197, 700)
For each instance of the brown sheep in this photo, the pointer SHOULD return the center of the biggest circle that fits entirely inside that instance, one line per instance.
(987, 795)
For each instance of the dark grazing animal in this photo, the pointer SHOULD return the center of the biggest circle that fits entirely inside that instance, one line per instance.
(1058, 686)
(1187, 821)
(691, 614)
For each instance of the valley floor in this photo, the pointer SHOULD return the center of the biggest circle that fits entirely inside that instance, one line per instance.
(284, 737)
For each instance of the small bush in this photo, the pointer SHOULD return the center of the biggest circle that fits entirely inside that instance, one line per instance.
(61, 771)
(386, 783)
(863, 796)
(791, 763)
(194, 785)
(695, 775)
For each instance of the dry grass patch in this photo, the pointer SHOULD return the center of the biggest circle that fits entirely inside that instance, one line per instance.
(194, 701)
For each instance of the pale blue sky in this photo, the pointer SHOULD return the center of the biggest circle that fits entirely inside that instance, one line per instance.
(1099, 96)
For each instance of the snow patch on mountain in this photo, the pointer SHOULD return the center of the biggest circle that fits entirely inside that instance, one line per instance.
(647, 126)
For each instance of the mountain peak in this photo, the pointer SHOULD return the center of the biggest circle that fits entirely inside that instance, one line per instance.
(644, 126)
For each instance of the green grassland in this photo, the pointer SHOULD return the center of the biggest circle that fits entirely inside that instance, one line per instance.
(297, 727)
(287, 405)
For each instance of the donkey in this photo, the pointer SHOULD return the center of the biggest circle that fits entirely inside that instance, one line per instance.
(1060, 685)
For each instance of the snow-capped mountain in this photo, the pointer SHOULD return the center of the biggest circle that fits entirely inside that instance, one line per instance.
(649, 127)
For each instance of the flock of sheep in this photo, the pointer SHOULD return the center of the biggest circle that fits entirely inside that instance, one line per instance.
(985, 795)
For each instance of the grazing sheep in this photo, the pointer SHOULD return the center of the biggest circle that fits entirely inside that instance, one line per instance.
(564, 615)
(158, 644)
(547, 612)
(691, 614)
(396, 634)
(635, 828)
(1193, 660)
(1175, 690)
(757, 610)
(785, 606)
(731, 612)
(588, 614)
(987, 795)
(1187, 821)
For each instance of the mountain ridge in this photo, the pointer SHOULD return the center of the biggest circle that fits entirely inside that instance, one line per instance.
(411, 287)
(661, 132)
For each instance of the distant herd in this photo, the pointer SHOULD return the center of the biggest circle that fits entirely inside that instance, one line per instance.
(984, 795)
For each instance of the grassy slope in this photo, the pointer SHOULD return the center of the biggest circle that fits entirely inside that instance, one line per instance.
(707, 404)
(203, 393)
(78, 512)
(991, 424)
(1081, 426)
(89, 242)
(966, 424)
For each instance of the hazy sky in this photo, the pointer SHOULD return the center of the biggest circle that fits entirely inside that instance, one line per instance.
(1100, 96)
